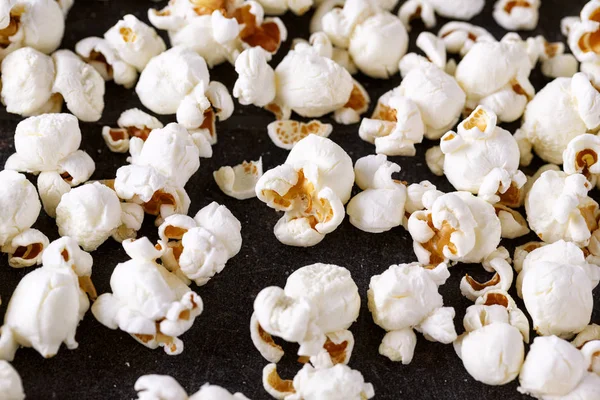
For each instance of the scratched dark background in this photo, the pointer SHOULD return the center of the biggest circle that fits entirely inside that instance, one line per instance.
(218, 348)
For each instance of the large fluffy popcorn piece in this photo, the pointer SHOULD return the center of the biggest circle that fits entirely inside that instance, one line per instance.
(48, 145)
(151, 387)
(123, 52)
(556, 284)
(49, 302)
(315, 309)
(311, 188)
(147, 301)
(456, 227)
(199, 247)
(405, 298)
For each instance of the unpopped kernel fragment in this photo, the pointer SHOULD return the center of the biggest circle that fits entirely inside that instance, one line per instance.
(285, 134)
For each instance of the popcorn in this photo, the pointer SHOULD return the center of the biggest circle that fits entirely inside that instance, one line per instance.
(581, 157)
(311, 187)
(357, 104)
(456, 227)
(504, 85)
(151, 387)
(572, 99)
(582, 33)
(434, 158)
(199, 247)
(483, 158)
(459, 37)
(558, 208)
(420, 195)
(502, 279)
(556, 284)
(426, 10)
(177, 82)
(123, 52)
(147, 301)
(554, 369)
(25, 249)
(492, 349)
(132, 123)
(315, 309)
(517, 15)
(11, 386)
(239, 181)
(48, 144)
(285, 134)
(336, 383)
(59, 287)
(279, 7)
(405, 297)
(380, 206)
(555, 63)
(256, 79)
(89, 214)
(513, 223)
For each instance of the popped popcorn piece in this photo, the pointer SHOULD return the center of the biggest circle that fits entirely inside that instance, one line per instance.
(514, 225)
(380, 206)
(256, 79)
(456, 227)
(58, 288)
(11, 386)
(311, 187)
(426, 10)
(556, 284)
(199, 247)
(420, 195)
(483, 158)
(49, 144)
(502, 279)
(338, 382)
(357, 104)
(25, 249)
(504, 85)
(79, 84)
(583, 33)
(406, 297)
(558, 207)
(459, 37)
(240, 180)
(132, 123)
(98, 53)
(434, 158)
(517, 15)
(285, 134)
(279, 7)
(147, 301)
(575, 101)
(555, 63)
(491, 348)
(581, 157)
(151, 387)
(315, 309)
(325, 7)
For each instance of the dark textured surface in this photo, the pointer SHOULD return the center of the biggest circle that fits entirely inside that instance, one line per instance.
(218, 348)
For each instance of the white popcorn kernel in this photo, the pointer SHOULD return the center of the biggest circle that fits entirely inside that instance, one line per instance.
(459, 37)
(434, 157)
(561, 65)
(502, 279)
(51, 186)
(519, 257)
(25, 249)
(132, 217)
(27, 78)
(406, 297)
(581, 156)
(556, 286)
(558, 207)
(457, 227)
(583, 40)
(513, 223)
(321, 9)
(239, 181)
(553, 367)
(256, 79)
(380, 207)
(589, 333)
(80, 85)
(370, 49)
(76, 168)
(151, 387)
(134, 41)
(100, 55)
(357, 104)
(420, 196)
(311, 188)
(516, 16)
(58, 288)
(19, 205)
(169, 77)
(567, 23)
(417, 9)
(11, 386)
(132, 123)
(285, 134)
(433, 47)
(426, 10)
(167, 308)
(89, 214)
(339, 22)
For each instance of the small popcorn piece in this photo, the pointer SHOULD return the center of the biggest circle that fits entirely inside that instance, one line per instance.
(256, 79)
(59, 287)
(555, 63)
(581, 157)
(167, 308)
(285, 134)
(405, 298)
(426, 10)
(25, 249)
(380, 206)
(100, 55)
(502, 279)
(311, 188)
(583, 34)
(11, 386)
(132, 123)
(165, 387)
(514, 225)
(434, 158)
(558, 208)
(459, 37)
(517, 15)
(239, 181)
(357, 104)
(556, 284)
